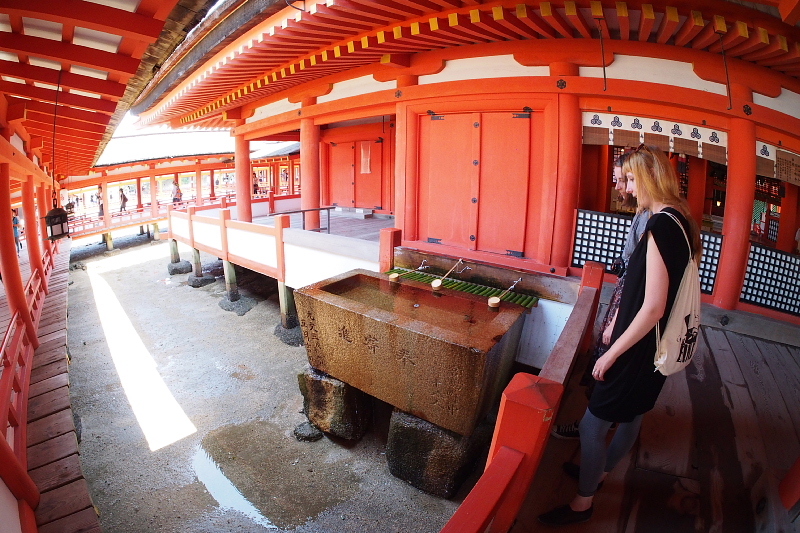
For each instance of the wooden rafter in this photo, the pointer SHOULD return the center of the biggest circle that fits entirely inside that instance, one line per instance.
(87, 15)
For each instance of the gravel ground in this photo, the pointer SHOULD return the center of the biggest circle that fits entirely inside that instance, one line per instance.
(152, 357)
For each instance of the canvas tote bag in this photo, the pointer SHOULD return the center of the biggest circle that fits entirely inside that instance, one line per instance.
(677, 344)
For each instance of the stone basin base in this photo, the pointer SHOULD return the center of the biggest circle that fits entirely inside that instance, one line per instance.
(428, 457)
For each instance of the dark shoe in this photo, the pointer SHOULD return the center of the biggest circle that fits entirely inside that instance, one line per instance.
(574, 471)
(564, 515)
(566, 431)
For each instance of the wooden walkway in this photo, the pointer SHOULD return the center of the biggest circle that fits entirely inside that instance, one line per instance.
(368, 229)
(710, 455)
(53, 460)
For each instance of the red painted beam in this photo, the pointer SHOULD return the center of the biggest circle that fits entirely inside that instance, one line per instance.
(790, 11)
(63, 111)
(42, 120)
(110, 89)
(88, 15)
(123, 65)
(49, 95)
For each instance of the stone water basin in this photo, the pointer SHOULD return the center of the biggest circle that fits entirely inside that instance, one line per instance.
(443, 356)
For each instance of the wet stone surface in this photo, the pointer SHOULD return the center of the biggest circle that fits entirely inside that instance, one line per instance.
(237, 385)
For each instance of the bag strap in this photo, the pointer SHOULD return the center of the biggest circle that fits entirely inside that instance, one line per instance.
(678, 222)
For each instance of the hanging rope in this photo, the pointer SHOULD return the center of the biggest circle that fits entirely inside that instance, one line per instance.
(727, 74)
(602, 54)
(53, 144)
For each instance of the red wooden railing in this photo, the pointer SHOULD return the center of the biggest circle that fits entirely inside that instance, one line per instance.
(16, 359)
(527, 410)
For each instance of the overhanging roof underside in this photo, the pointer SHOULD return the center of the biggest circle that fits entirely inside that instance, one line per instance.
(71, 68)
(295, 47)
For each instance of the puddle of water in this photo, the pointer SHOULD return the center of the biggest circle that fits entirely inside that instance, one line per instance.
(221, 488)
(286, 480)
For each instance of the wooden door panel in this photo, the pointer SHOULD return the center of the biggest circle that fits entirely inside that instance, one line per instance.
(504, 171)
(446, 173)
(342, 174)
(369, 174)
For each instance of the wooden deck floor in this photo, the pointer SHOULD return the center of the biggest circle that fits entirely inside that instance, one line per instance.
(53, 459)
(366, 229)
(710, 455)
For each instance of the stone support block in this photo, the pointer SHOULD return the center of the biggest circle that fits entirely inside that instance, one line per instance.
(334, 406)
(431, 458)
(181, 267)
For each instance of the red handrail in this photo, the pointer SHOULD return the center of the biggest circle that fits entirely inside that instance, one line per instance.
(527, 410)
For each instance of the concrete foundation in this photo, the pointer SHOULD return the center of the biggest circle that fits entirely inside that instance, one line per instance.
(334, 406)
(432, 458)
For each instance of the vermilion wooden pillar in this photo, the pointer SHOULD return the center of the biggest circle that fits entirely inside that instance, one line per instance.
(106, 206)
(198, 185)
(139, 193)
(741, 190)
(153, 196)
(310, 177)
(9, 262)
(244, 184)
(212, 192)
(569, 167)
(44, 204)
(32, 231)
(788, 224)
(698, 170)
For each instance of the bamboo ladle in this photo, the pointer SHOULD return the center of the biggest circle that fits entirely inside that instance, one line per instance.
(494, 301)
(437, 283)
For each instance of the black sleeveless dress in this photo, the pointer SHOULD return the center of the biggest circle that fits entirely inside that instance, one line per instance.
(631, 386)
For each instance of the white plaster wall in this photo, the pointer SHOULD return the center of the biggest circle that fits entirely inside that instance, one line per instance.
(654, 70)
(179, 227)
(788, 102)
(18, 143)
(275, 108)
(256, 247)
(305, 266)
(260, 209)
(288, 204)
(483, 67)
(355, 87)
(9, 512)
(542, 328)
(208, 234)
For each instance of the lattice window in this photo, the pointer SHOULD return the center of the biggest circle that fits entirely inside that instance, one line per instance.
(599, 237)
(772, 279)
(712, 245)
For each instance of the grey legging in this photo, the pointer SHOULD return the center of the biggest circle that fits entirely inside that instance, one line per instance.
(595, 458)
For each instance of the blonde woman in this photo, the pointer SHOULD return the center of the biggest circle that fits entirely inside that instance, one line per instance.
(627, 387)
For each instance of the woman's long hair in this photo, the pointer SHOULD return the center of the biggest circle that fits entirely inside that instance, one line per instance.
(656, 177)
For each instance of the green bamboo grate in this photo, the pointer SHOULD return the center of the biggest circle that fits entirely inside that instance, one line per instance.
(472, 288)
